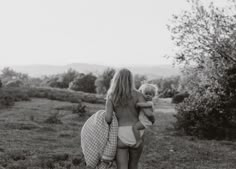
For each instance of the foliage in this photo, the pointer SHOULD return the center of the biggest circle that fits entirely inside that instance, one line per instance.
(85, 83)
(208, 117)
(14, 83)
(35, 82)
(139, 80)
(6, 101)
(0, 83)
(61, 80)
(103, 81)
(9, 96)
(167, 87)
(55, 81)
(205, 39)
(9, 74)
(68, 77)
(11, 78)
(179, 97)
(53, 119)
(79, 109)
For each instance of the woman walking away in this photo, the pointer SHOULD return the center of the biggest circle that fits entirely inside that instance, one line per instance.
(122, 98)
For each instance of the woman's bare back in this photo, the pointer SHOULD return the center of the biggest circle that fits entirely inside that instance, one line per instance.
(127, 114)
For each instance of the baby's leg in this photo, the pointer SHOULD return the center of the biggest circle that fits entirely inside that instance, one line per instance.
(136, 130)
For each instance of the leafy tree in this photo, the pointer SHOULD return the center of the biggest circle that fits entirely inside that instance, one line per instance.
(9, 74)
(68, 77)
(85, 83)
(139, 80)
(168, 86)
(103, 81)
(205, 38)
(55, 81)
(61, 80)
(35, 82)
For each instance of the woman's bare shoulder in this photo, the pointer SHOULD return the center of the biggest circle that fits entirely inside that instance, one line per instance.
(137, 94)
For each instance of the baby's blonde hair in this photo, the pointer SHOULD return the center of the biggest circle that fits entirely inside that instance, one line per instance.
(121, 87)
(150, 88)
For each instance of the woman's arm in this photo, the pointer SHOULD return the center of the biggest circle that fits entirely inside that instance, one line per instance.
(109, 111)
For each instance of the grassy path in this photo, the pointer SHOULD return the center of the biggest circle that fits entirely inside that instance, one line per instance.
(167, 149)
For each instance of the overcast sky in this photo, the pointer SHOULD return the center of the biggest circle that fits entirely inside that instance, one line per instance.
(121, 32)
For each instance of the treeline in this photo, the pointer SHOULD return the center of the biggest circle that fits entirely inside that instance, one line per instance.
(71, 79)
(90, 83)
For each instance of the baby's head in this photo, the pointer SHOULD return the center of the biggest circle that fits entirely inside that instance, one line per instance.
(148, 90)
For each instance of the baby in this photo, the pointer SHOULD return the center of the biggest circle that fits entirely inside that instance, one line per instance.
(146, 117)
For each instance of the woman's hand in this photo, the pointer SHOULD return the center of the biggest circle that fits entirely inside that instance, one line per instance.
(139, 142)
(109, 111)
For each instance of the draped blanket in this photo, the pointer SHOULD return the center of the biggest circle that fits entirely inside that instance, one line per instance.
(99, 140)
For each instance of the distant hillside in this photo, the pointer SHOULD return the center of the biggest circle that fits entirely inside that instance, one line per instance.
(150, 71)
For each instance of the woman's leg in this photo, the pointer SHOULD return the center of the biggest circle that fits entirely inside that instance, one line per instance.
(134, 155)
(122, 155)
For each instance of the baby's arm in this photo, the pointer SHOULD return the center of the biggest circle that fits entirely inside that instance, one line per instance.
(144, 104)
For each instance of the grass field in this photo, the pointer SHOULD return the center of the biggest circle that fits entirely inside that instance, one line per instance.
(28, 141)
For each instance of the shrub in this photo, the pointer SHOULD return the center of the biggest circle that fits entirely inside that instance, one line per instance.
(168, 86)
(167, 93)
(79, 109)
(6, 101)
(178, 98)
(61, 80)
(53, 119)
(9, 75)
(17, 94)
(139, 80)
(103, 81)
(85, 83)
(14, 83)
(55, 81)
(68, 77)
(207, 116)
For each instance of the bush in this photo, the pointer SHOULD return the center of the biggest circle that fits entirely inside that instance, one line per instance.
(10, 76)
(6, 101)
(68, 77)
(8, 96)
(79, 109)
(61, 80)
(103, 81)
(139, 80)
(207, 116)
(167, 87)
(55, 81)
(85, 83)
(17, 94)
(168, 93)
(53, 119)
(14, 83)
(178, 98)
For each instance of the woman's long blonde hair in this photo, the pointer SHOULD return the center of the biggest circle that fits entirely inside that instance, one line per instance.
(121, 87)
